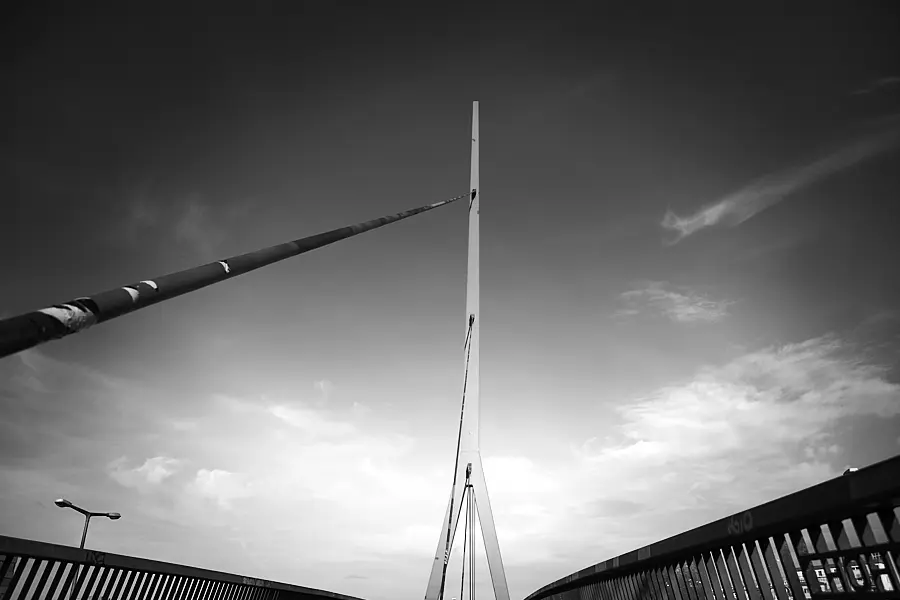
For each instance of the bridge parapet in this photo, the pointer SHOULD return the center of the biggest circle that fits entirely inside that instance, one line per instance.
(31, 570)
(838, 539)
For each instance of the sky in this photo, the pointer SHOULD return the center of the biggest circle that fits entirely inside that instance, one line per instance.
(689, 302)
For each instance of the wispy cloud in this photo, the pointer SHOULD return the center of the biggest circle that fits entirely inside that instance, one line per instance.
(325, 388)
(747, 202)
(224, 487)
(187, 220)
(153, 472)
(312, 422)
(878, 84)
(198, 227)
(680, 304)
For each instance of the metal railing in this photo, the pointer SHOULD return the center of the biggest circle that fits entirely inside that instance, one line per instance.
(838, 539)
(31, 570)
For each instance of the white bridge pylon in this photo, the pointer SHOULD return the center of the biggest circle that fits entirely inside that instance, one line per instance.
(468, 452)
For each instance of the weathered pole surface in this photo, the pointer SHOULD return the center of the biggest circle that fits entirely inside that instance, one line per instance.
(57, 321)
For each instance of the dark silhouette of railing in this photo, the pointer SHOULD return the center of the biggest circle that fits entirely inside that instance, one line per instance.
(37, 570)
(838, 539)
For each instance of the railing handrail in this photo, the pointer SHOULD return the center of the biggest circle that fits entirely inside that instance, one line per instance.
(25, 548)
(839, 498)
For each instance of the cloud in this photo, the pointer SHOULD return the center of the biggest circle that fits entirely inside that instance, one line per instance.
(222, 486)
(678, 304)
(313, 423)
(879, 84)
(737, 207)
(256, 474)
(183, 219)
(764, 422)
(197, 228)
(152, 473)
(324, 387)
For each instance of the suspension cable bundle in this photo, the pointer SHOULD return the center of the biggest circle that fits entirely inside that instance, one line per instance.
(30, 329)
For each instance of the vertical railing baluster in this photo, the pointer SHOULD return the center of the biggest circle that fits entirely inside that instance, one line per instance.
(175, 589)
(101, 582)
(152, 583)
(57, 577)
(81, 580)
(5, 565)
(701, 585)
(705, 583)
(793, 570)
(658, 592)
(66, 591)
(662, 583)
(618, 592)
(734, 572)
(115, 587)
(634, 591)
(692, 581)
(611, 589)
(227, 591)
(643, 580)
(624, 593)
(140, 580)
(640, 582)
(190, 588)
(709, 560)
(890, 523)
(623, 585)
(96, 571)
(118, 592)
(779, 579)
(678, 575)
(670, 591)
(158, 585)
(47, 566)
(758, 571)
(17, 574)
(658, 587)
(748, 577)
(725, 576)
(33, 565)
(764, 579)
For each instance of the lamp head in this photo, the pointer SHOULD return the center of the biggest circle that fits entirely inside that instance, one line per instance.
(62, 503)
(114, 516)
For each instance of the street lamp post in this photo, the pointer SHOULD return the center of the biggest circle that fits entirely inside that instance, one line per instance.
(63, 503)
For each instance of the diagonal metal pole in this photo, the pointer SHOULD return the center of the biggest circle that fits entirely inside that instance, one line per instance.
(33, 328)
